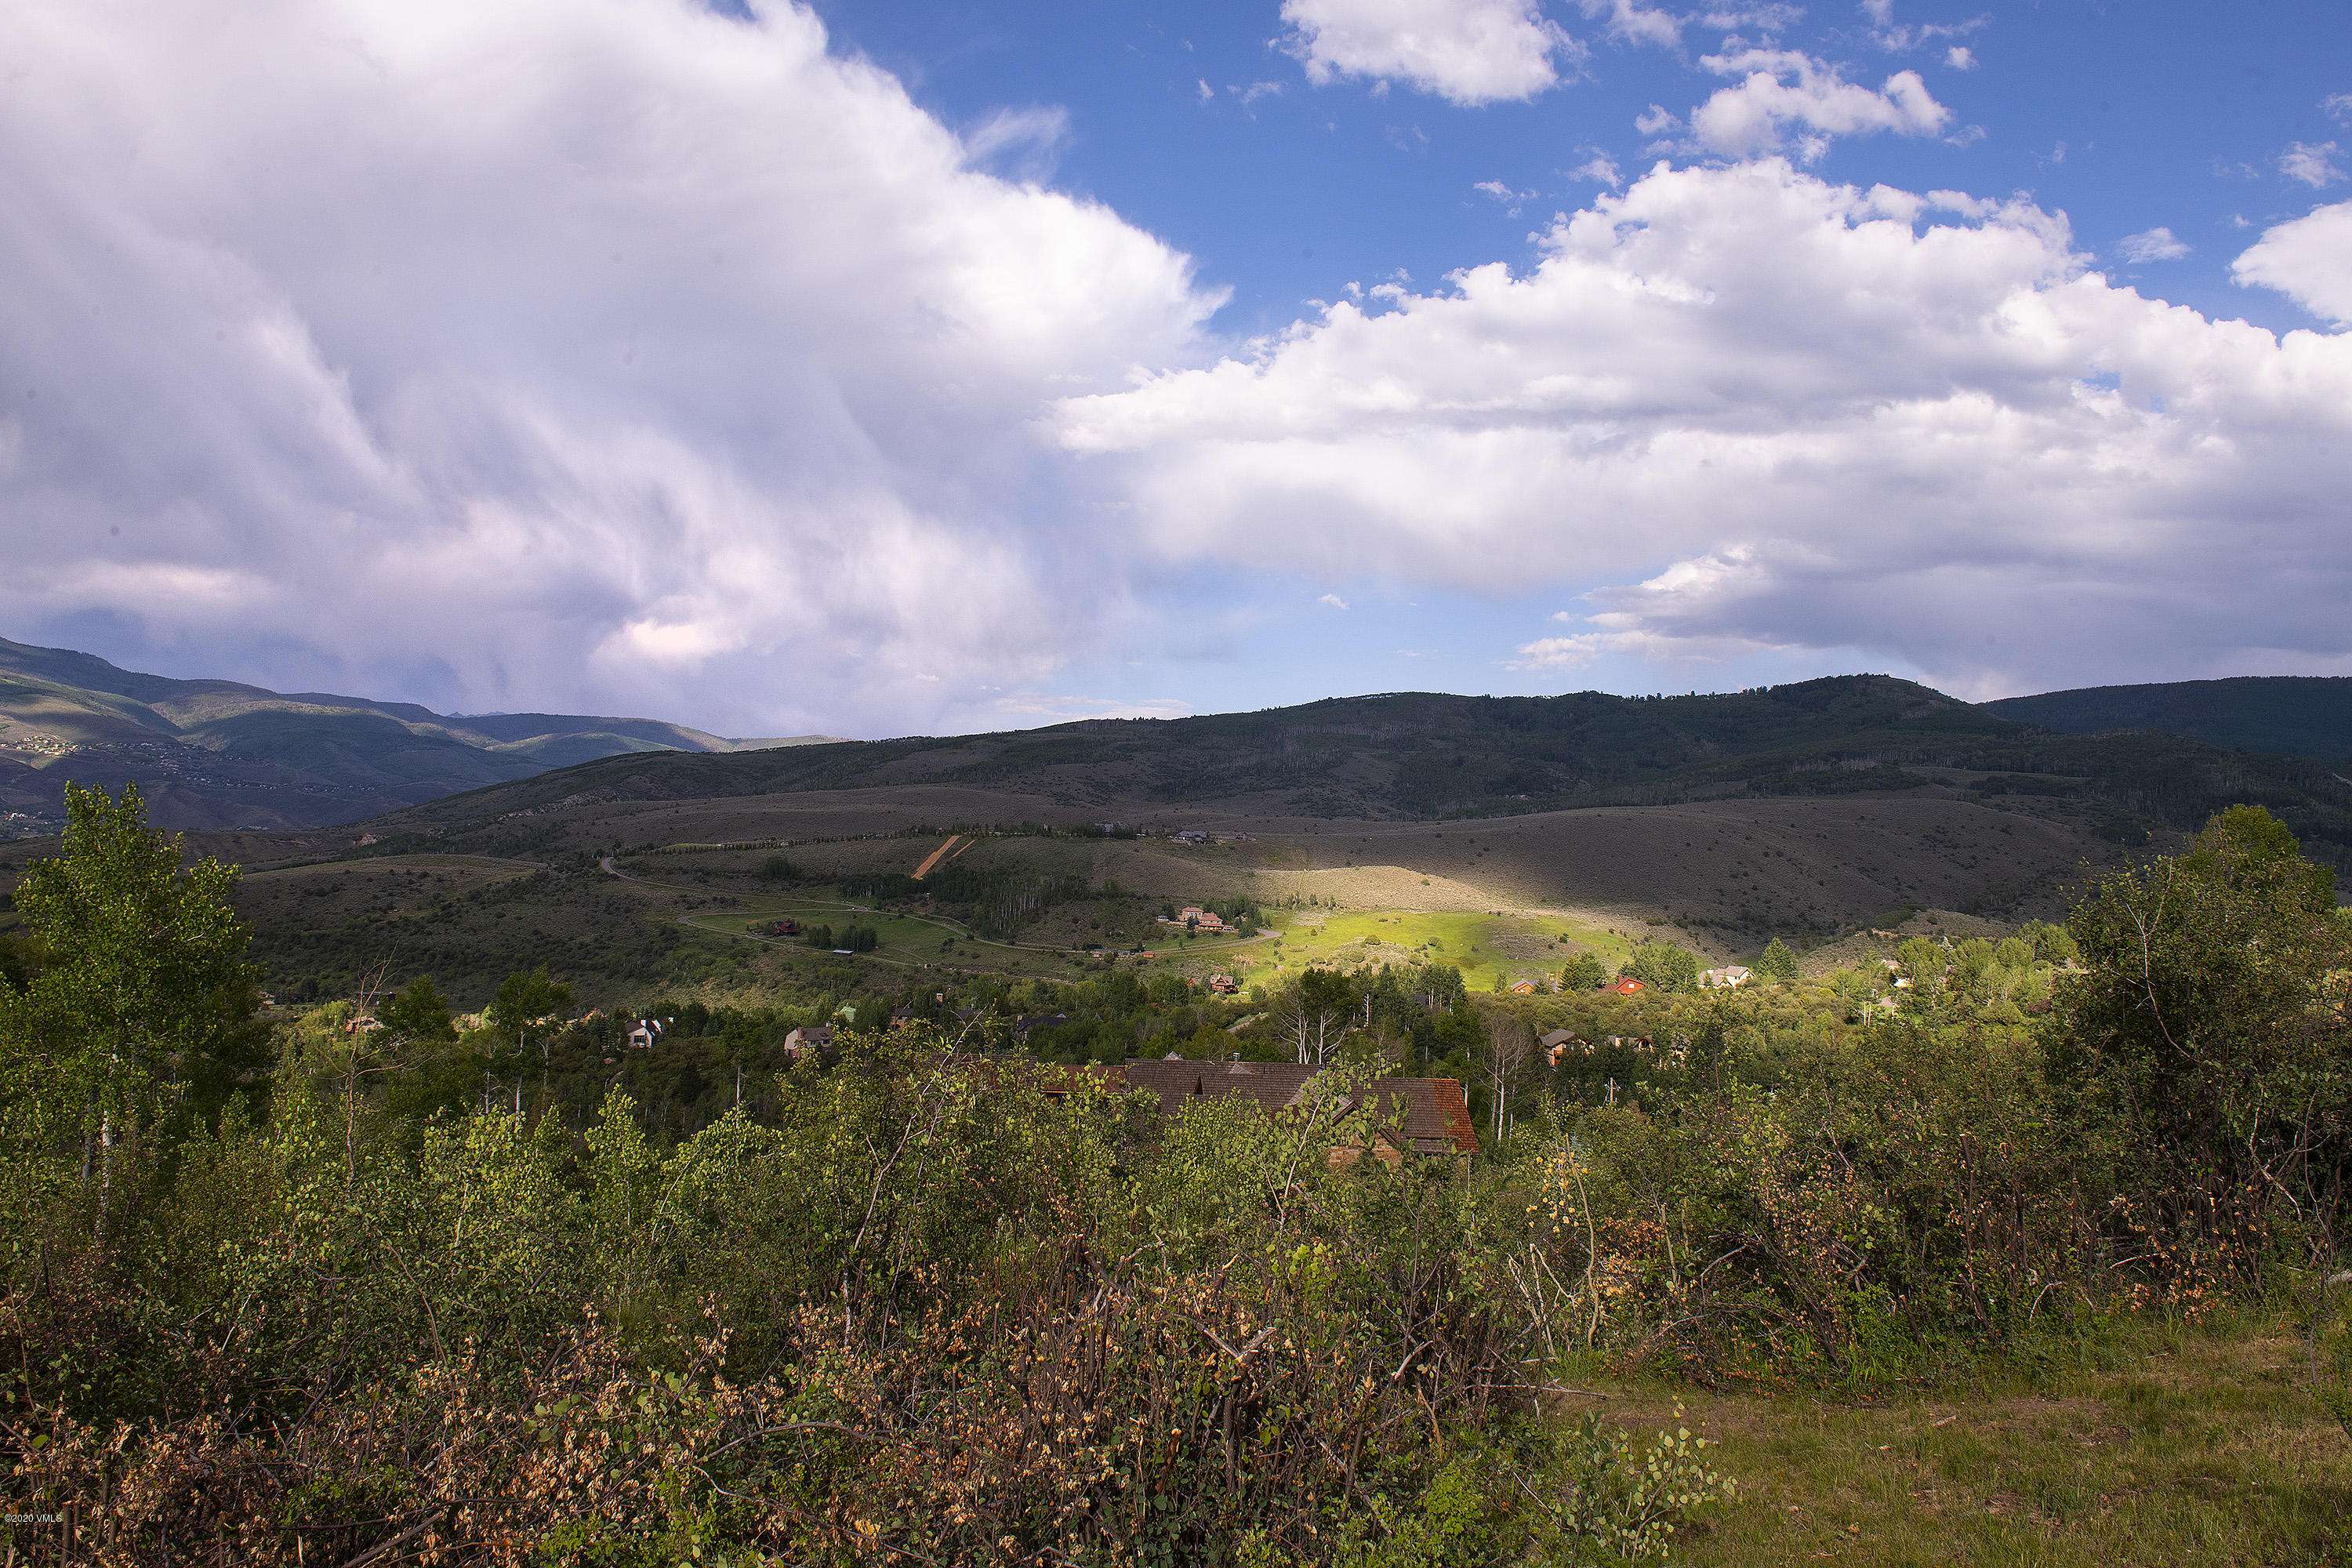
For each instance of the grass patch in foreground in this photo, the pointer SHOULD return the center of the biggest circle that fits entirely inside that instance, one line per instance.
(2205, 1450)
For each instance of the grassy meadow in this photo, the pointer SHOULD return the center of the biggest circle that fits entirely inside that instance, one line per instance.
(2187, 1448)
(1484, 947)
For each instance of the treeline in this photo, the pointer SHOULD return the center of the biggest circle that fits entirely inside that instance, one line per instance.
(996, 902)
(849, 939)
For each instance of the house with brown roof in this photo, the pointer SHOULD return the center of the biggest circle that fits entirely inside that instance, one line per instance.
(811, 1037)
(1561, 1043)
(1626, 985)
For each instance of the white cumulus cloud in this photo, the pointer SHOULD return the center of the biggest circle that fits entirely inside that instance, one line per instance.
(1783, 93)
(1784, 413)
(554, 353)
(1465, 51)
(2309, 260)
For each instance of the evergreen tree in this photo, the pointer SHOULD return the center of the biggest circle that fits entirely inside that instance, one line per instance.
(1583, 971)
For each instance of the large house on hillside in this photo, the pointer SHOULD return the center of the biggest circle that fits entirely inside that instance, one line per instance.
(810, 1037)
(1729, 975)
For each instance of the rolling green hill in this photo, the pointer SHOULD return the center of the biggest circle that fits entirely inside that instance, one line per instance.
(219, 754)
(2295, 715)
(1418, 756)
(2118, 763)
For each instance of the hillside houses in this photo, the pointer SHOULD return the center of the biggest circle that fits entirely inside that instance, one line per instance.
(1724, 978)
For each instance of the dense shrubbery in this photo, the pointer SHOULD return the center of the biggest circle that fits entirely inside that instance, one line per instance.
(930, 1312)
(2176, 1134)
(925, 1308)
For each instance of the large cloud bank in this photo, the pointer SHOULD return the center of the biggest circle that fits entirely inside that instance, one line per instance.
(1790, 413)
(582, 352)
(615, 353)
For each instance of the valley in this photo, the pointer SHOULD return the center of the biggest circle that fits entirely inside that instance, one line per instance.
(1498, 834)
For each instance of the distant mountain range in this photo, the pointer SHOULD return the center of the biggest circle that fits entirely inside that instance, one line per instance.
(1424, 756)
(2120, 761)
(2293, 715)
(219, 754)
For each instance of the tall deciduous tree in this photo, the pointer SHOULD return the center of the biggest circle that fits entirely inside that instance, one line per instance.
(1316, 1016)
(2214, 1018)
(526, 1007)
(144, 1002)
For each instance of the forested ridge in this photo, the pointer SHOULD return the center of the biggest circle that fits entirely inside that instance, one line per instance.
(1425, 756)
(366, 1283)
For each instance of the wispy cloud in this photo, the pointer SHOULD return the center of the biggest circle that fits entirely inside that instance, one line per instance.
(1504, 195)
(1631, 22)
(1600, 168)
(2313, 163)
(2152, 245)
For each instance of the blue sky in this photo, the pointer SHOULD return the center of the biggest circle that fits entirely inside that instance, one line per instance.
(877, 368)
(2125, 116)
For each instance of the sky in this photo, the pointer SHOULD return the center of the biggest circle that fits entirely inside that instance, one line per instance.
(871, 369)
